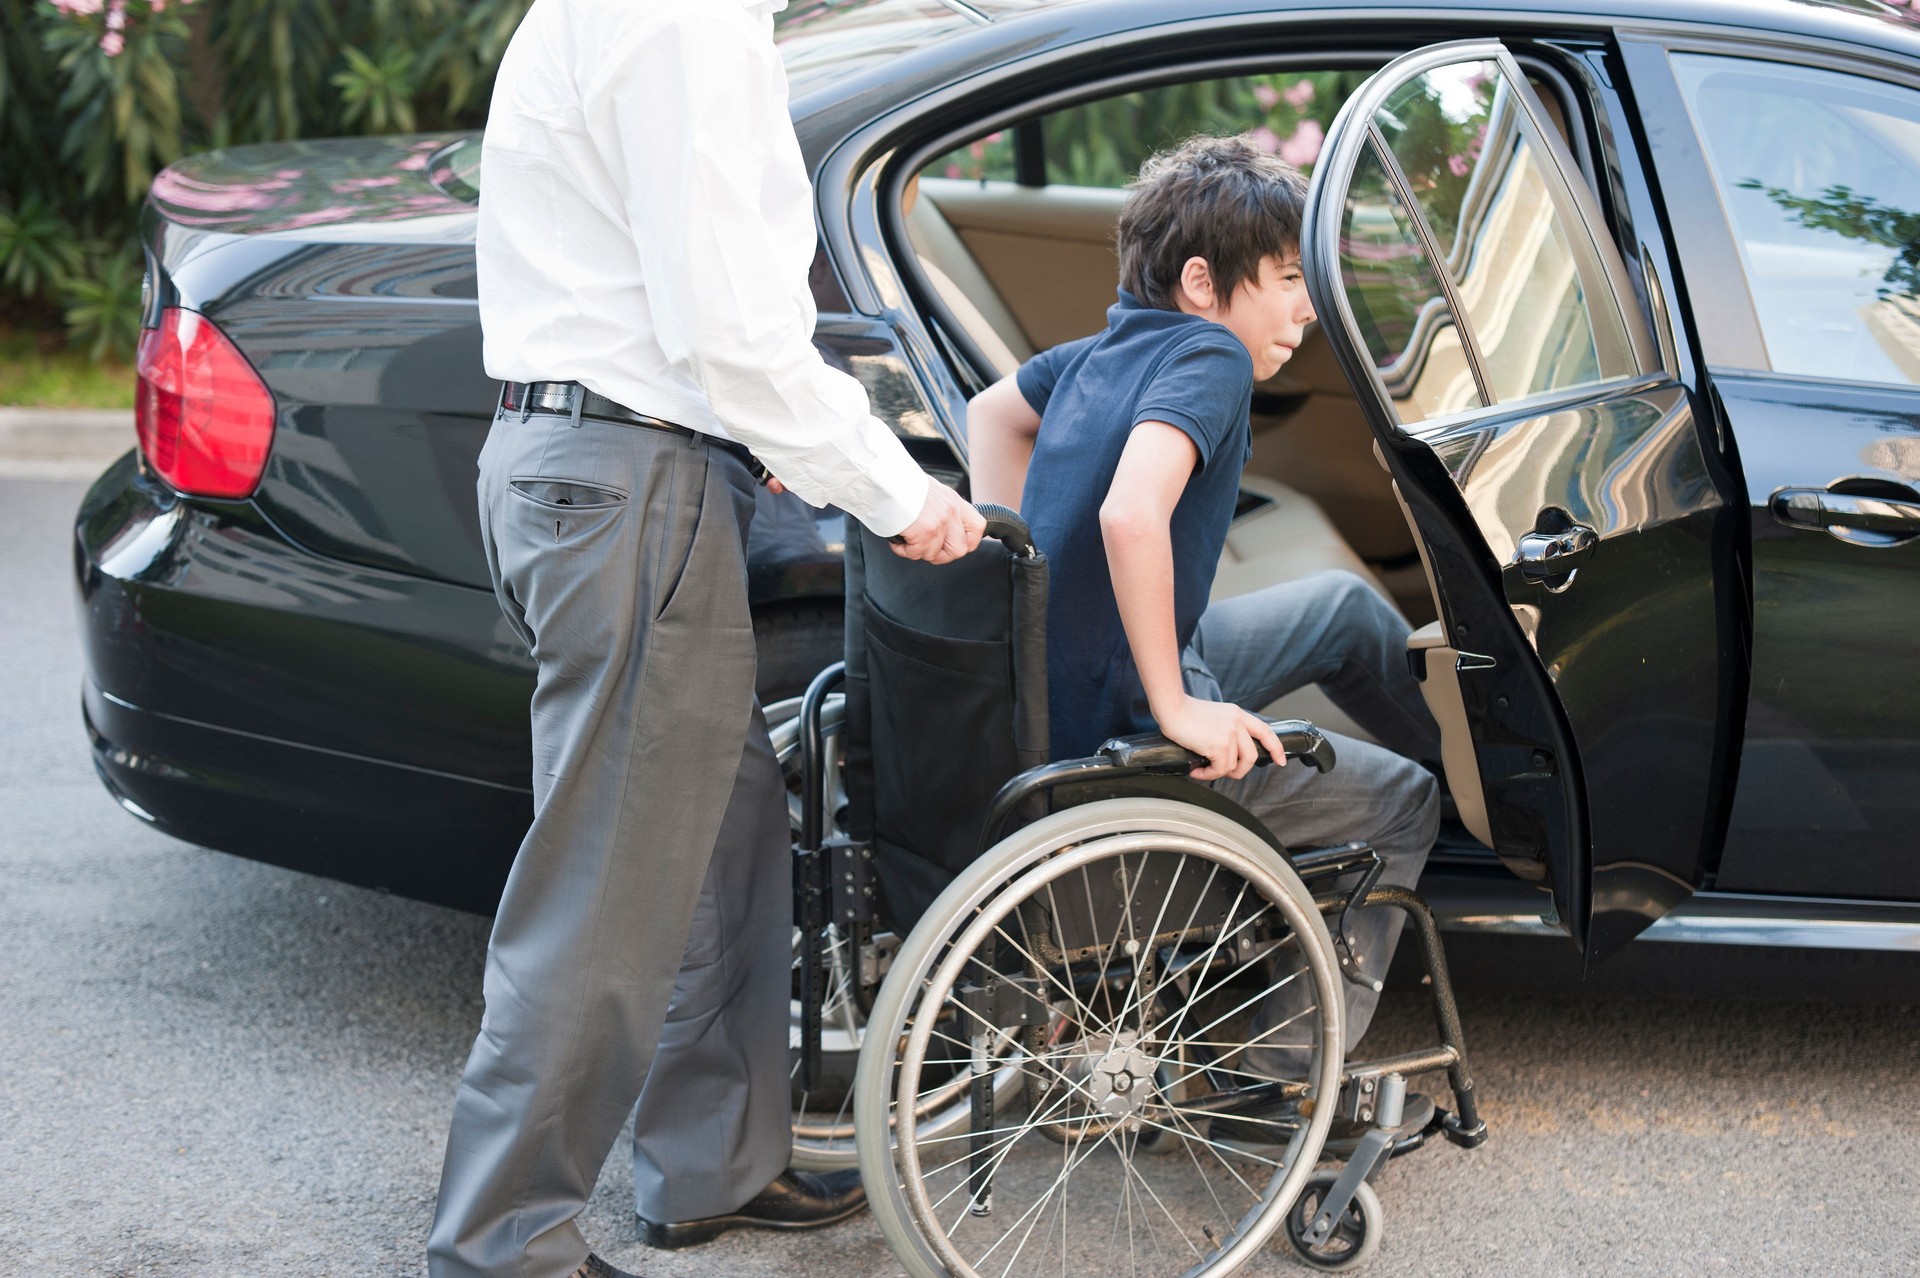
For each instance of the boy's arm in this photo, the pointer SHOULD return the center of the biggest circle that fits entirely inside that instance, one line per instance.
(1001, 426)
(1135, 524)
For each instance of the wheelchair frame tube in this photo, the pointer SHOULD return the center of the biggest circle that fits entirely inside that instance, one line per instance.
(1464, 1127)
(810, 886)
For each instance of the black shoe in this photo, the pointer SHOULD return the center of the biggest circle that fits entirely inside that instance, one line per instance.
(795, 1200)
(1267, 1128)
(594, 1267)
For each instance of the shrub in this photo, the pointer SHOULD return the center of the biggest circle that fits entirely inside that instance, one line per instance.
(96, 96)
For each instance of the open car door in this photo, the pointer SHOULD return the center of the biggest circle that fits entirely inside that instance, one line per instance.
(1578, 542)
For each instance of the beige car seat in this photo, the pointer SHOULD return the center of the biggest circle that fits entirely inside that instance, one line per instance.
(969, 296)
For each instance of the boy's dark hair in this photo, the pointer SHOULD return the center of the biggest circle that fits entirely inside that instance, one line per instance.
(1222, 199)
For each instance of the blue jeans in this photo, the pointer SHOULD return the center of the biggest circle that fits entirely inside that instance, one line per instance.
(1334, 630)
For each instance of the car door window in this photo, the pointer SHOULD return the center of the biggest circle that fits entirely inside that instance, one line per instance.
(1400, 310)
(1538, 308)
(1819, 173)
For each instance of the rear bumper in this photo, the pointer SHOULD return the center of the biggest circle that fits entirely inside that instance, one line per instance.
(436, 838)
(248, 696)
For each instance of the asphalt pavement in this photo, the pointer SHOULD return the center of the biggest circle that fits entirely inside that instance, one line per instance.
(213, 1067)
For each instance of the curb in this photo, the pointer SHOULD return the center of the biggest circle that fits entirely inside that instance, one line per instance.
(62, 443)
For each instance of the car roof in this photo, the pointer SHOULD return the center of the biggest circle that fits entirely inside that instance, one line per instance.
(936, 42)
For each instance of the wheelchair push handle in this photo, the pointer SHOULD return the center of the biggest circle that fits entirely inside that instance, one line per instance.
(1153, 753)
(1006, 527)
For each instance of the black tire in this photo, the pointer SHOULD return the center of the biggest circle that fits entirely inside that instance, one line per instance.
(796, 641)
(1356, 1235)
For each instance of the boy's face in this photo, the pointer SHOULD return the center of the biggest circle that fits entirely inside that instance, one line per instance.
(1269, 314)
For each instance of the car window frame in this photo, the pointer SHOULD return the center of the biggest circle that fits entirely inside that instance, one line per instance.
(1727, 329)
(1029, 142)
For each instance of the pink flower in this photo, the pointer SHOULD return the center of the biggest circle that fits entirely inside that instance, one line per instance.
(159, 6)
(112, 43)
(1266, 95)
(953, 171)
(77, 7)
(1265, 139)
(994, 138)
(1300, 94)
(1303, 147)
(116, 15)
(1458, 165)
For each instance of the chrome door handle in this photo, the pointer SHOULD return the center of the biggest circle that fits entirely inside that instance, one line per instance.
(1865, 521)
(1547, 556)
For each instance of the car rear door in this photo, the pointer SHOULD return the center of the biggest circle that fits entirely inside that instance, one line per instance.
(1578, 537)
(1798, 171)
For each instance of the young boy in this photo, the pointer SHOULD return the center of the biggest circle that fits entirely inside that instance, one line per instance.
(1124, 450)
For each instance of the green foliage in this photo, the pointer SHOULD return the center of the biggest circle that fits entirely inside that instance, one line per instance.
(380, 94)
(285, 47)
(93, 104)
(1104, 142)
(36, 372)
(37, 252)
(102, 303)
(122, 111)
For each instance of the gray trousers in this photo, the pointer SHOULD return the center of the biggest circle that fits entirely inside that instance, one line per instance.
(1334, 630)
(641, 952)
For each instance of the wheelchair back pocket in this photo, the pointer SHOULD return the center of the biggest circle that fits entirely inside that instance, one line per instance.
(943, 724)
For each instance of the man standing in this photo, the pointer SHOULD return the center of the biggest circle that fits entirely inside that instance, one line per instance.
(644, 242)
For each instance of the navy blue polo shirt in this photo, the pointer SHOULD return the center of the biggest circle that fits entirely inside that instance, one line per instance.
(1149, 365)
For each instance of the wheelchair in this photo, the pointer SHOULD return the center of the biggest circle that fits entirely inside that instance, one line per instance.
(1026, 992)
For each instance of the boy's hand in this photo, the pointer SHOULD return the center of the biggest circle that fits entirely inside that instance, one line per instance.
(1228, 736)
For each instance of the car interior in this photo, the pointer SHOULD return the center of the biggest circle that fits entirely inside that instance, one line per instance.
(1016, 266)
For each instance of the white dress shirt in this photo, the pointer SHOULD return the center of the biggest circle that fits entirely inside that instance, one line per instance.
(646, 228)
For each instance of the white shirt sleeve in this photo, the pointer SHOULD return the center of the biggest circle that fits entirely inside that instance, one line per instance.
(691, 121)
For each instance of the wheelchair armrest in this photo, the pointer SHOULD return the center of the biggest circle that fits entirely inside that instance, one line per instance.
(1153, 753)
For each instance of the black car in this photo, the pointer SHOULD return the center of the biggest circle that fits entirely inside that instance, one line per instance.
(1616, 392)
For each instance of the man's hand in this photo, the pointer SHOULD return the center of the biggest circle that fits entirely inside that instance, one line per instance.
(1228, 736)
(948, 527)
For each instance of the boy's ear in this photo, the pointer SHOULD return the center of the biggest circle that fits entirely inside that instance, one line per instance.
(1196, 285)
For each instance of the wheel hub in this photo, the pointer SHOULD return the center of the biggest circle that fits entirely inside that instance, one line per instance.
(1122, 1077)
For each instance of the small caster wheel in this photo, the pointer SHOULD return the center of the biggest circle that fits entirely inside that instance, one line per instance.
(1355, 1236)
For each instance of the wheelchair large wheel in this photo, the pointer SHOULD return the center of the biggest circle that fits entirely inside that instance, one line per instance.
(823, 1116)
(1127, 944)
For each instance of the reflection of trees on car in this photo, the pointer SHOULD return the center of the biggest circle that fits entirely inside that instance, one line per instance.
(1858, 217)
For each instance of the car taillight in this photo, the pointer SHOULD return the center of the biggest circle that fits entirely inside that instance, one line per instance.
(204, 417)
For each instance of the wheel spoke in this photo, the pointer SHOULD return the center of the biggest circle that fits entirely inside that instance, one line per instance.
(1204, 1069)
(1129, 984)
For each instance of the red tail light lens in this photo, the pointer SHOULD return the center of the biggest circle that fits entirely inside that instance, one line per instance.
(204, 416)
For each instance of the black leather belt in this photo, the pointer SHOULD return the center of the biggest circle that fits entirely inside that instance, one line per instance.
(571, 399)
